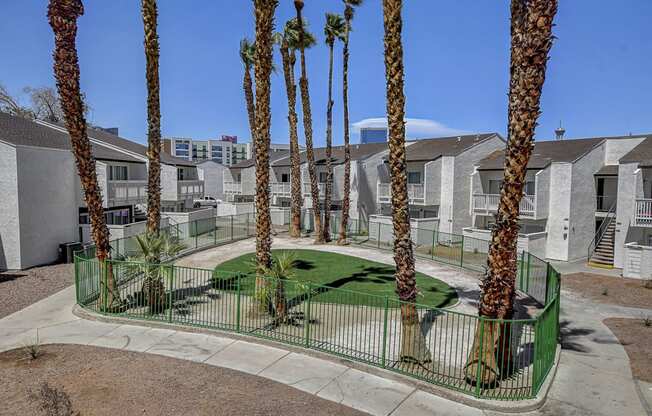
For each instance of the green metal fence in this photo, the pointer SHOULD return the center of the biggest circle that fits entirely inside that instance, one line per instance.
(354, 325)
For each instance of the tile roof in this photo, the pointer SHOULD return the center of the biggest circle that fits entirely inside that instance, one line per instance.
(546, 152)
(641, 153)
(431, 149)
(23, 132)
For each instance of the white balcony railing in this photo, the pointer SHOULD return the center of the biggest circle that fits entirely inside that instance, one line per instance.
(488, 203)
(233, 188)
(127, 192)
(643, 213)
(307, 192)
(416, 193)
(281, 188)
(193, 188)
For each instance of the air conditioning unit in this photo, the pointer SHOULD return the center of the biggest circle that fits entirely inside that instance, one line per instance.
(67, 251)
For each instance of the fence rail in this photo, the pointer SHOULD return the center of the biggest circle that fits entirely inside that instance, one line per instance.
(355, 325)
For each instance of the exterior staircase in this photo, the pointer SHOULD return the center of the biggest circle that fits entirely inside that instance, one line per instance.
(603, 255)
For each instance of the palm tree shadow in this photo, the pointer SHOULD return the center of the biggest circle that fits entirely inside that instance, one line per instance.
(571, 338)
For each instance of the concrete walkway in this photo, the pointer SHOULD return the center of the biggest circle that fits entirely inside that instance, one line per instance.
(594, 377)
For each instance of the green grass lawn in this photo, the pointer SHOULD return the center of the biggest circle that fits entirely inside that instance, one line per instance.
(347, 272)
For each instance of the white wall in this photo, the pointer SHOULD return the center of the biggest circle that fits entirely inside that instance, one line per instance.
(617, 148)
(9, 218)
(630, 185)
(559, 211)
(47, 195)
(168, 182)
(213, 176)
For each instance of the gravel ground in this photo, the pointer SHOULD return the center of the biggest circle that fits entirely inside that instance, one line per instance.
(22, 288)
(636, 338)
(103, 381)
(610, 290)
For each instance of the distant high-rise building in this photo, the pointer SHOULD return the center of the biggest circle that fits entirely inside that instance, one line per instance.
(373, 134)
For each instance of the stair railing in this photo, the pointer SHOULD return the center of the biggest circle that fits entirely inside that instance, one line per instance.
(610, 216)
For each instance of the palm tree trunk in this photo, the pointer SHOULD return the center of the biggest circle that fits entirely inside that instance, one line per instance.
(413, 343)
(264, 10)
(296, 200)
(62, 15)
(346, 191)
(247, 85)
(329, 148)
(307, 128)
(531, 40)
(150, 14)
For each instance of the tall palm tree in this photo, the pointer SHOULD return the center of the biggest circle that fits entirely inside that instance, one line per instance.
(346, 201)
(531, 40)
(307, 126)
(288, 42)
(333, 29)
(264, 11)
(413, 344)
(63, 15)
(150, 15)
(247, 52)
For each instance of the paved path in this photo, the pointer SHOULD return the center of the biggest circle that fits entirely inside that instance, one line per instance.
(594, 377)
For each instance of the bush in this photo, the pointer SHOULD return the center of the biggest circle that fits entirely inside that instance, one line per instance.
(54, 402)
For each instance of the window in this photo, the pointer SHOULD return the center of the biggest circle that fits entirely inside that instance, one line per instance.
(323, 177)
(285, 177)
(118, 173)
(414, 177)
(529, 188)
(180, 174)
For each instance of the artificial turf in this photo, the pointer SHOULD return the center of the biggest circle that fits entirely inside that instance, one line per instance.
(350, 273)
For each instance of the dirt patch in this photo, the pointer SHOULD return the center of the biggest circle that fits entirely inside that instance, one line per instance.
(608, 289)
(103, 381)
(636, 337)
(20, 289)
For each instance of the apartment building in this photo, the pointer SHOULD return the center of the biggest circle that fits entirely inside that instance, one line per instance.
(632, 220)
(43, 204)
(226, 150)
(437, 173)
(571, 188)
(239, 181)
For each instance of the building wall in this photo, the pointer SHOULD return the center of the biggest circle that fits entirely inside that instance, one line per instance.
(463, 169)
(9, 219)
(617, 148)
(373, 169)
(213, 176)
(630, 185)
(448, 190)
(432, 182)
(559, 211)
(47, 195)
(168, 183)
(583, 202)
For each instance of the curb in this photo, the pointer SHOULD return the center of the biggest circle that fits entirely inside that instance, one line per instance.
(520, 406)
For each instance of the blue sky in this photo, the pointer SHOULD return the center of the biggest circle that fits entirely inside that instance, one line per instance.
(456, 59)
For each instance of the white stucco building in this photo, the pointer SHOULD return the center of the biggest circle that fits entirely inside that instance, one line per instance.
(42, 202)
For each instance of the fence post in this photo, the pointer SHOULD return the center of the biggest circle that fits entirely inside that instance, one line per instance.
(76, 278)
(434, 244)
(520, 285)
(379, 225)
(215, 232)
(195, 223)
(170, 306)
(462, 253)
(237, 306)
(480, 356)
(231, 227)
(545, 297)
(527, 278)
(307, 317)
(382, 361)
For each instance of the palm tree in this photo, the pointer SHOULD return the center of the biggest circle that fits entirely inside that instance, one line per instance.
(154, 247)
(247, 52)
(150, 15)
(62, 15)
(346, 201)
(334, 29)
(413, 344)
(264, 11)
(282, 269)
(296, 201)
(531, 40)
(307, 126)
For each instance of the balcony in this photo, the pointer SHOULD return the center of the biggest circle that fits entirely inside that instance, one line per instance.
(234, 188)
(486, 204)
(127, 192)
(307, 192)
(643, 213)
(416, 193)
(604, 203)
(191, 188)
(281, 188)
